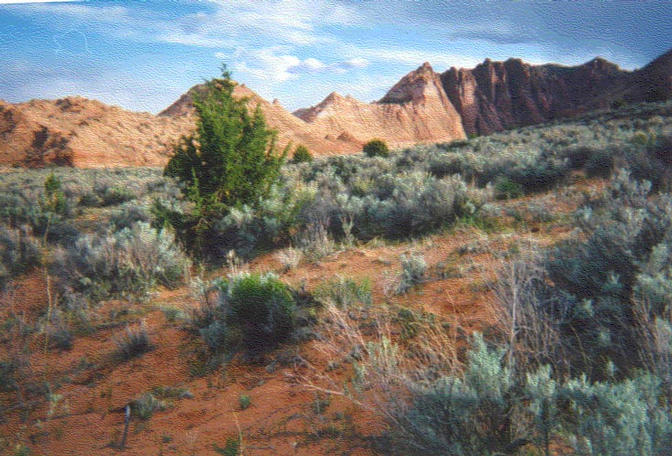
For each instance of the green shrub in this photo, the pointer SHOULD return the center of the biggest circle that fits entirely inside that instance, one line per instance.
(301, 155)
(232, 447)
(412, 204)
(128, 263)
(19, 252)
(539, 176)
(491, 410)
(578, 156)
(90, 199)
(8, 371)
(145, 406)
(54, 199)
(60, 337)
(264, 308)
(244, 401)
(600, 164)
(475, 414)
(229, 162)
(662, 149)
(314, 241)
(618, 419)
(376, 148)
(345, 293)
(129, 214)
(289, 258)
(21, 450)
(622, 258)
(505, 188)
(112, 196)
(254, 312)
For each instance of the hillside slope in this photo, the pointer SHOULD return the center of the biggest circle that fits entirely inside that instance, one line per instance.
(85, 133)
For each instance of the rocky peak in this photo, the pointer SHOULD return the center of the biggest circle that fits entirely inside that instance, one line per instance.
(332, 101)
(599, 67)
(425, 68)
(499, 95)
(333, 97)
(417, 85)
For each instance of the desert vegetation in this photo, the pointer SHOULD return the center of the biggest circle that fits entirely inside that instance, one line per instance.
(560, 234)
(578, 357)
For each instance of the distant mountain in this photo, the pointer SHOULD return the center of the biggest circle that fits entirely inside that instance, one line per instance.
(76, 131)
(424, 106)
(290, 128)
(415, 110)
(493, 96)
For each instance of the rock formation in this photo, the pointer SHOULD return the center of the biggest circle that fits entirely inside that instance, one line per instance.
(76, 131)
(499, 95)
(415, 110)
(85, 133)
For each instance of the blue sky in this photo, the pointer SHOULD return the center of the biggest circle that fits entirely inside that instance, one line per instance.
(143, 54)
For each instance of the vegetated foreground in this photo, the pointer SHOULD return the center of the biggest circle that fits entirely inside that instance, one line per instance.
(353, 332)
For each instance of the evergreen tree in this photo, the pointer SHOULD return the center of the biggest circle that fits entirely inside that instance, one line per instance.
(230, 161)
(302, 155)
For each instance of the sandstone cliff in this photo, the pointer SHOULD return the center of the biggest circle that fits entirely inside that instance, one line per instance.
(415, 110)
(76, 131)
(85, 133)
(498, 95)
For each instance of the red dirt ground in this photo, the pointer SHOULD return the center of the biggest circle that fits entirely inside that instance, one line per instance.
(281, 419)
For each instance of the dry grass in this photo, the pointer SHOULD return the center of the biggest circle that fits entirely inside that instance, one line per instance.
(381, 359)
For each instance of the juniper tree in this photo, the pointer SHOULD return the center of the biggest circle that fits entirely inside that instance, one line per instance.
(231, 160)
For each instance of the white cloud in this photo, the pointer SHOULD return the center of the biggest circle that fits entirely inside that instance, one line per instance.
(313, 66)
(194, 39)
(274, 65)
(410, 56)
(244, 22)
(268, 65)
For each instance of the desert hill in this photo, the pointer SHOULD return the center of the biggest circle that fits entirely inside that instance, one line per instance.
(290, 128)
(424, 106)
(85, 133)
(493, 96)
(76, 131)
(415, 110)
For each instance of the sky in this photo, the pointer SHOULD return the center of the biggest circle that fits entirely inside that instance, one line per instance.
(143, 54)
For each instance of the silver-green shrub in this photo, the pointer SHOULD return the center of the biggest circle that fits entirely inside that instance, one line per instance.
(19, 253)
(413, 272)
(128, 263)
